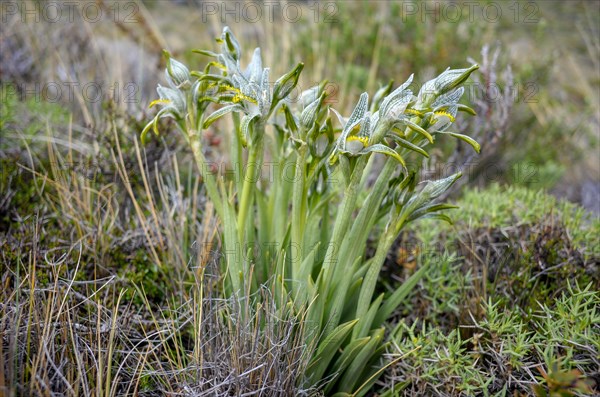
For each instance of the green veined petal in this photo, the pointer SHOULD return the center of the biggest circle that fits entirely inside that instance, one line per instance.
(245, 129)
(220, 113)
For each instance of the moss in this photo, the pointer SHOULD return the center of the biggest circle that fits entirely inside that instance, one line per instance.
(503, 353)
(30, 116)
(512, 286)
(139, 272)
(521, 249)
(514, 207)
(20, 196)
(9, 103)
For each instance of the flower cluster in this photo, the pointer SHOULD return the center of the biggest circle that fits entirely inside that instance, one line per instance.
(400, 112)
(248, 91)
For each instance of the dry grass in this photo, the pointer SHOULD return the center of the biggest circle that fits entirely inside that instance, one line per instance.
(113, 288)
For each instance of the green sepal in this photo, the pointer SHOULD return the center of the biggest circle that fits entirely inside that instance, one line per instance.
(379, 148)
(417, 128)
(466, 139)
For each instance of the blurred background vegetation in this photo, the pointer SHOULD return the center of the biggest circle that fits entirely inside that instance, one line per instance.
(74, 93)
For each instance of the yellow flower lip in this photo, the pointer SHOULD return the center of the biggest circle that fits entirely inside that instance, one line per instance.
(362, 139)
(239, 96)
(414, 112)
(444, 113)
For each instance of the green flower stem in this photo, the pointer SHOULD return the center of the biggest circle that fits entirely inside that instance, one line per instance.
(355, 241)
(370, 279)
(209, 179)
(252, 172)
(299, 214)
(384, 246)
(236, 152)
(342, 221)
(368, 211)
(281, 201)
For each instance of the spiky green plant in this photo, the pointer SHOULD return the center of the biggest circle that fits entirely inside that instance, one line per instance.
(316, 219)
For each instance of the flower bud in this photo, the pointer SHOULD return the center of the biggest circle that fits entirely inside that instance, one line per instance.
(309, 114)
(175, 98)
(286, 83)
(452, 78)
(177, 73)
(230, 44)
